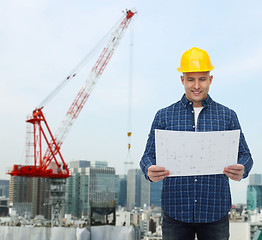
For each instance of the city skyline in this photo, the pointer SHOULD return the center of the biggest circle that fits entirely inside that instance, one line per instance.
(245, 220)
(136, 180)
(92, 185)
(41, 42)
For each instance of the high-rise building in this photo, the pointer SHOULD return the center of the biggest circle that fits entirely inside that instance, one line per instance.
(121, 186)
(79, 164)
(91, 183)
(30, 196)
(255, 179)
(155, 193)
(4, 188)
(254, 192)
(138, 189)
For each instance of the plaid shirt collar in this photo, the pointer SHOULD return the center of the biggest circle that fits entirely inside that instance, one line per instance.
(206, 102)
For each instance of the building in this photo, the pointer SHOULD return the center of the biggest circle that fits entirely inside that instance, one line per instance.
(254, 192)
(79, 164)
(138, 189)
(239, 230)
(121, 186)
(30, 196)
(92, 184)
(3, 206)
(155, 193)
(4, 188)
(255, 179)
(254, 197)
(4, 197)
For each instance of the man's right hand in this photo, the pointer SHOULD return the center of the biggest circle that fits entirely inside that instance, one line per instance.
(156, 173)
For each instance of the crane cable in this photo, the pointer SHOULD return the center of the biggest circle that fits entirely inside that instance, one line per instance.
(78, 67)
(130, 87)
(130, 93)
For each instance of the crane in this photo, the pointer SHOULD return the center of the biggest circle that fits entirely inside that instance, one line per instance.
(51, 164)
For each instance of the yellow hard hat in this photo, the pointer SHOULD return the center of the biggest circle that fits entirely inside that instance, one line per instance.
(195, 60)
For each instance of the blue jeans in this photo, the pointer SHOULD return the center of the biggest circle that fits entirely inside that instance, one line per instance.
(175, 230)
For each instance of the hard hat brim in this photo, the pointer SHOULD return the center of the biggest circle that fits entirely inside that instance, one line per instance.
(196, 70)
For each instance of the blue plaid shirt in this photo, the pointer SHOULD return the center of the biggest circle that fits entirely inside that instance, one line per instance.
(202, 198)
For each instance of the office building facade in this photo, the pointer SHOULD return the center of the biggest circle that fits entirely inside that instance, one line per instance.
(155, 193)
(30, 196)
(121, 186)
(254, 192)
(92, 185)
(138, 189)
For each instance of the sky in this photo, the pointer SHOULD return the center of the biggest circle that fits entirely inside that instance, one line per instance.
(41, 42)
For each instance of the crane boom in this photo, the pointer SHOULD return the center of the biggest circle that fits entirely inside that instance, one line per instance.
(88, 86)
(55, 142)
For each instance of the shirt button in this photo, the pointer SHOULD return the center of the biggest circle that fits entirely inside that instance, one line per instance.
(192, 111)
(195, 201)
(190, 103)
(196, 180)
(193, 126)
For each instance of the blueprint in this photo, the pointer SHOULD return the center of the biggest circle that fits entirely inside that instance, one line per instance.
(196, 153)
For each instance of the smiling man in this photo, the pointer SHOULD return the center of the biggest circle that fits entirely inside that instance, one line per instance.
(196, 205)
(196, 86)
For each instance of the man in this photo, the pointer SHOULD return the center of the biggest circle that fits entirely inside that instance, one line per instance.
(196, 205)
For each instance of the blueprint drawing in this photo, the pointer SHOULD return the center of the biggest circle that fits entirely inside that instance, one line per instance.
(196, 153)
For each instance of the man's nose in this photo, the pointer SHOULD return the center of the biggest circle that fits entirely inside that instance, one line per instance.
(196, 84)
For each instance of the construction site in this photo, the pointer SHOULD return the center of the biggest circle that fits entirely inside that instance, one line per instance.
(37, 191)
(73, 176)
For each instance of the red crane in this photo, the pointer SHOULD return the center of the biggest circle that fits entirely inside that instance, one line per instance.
(51, 164)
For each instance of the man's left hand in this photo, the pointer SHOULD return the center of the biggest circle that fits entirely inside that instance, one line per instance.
(234, 172)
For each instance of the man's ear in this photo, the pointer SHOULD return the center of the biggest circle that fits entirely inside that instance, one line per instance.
(211, 78)
(182, 79)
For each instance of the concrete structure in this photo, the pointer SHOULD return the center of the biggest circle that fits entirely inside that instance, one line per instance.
(244, 223)
(123, 218)
(57, 200)
(138, 189)
(239, 231)
(61, 233)
(148, 220)
(90, 182)
(30, 196)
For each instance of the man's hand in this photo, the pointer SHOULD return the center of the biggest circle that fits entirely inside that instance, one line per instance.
(156, 173)
(234, 172)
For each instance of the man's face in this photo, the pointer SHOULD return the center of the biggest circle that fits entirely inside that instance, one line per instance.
(196, 86)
